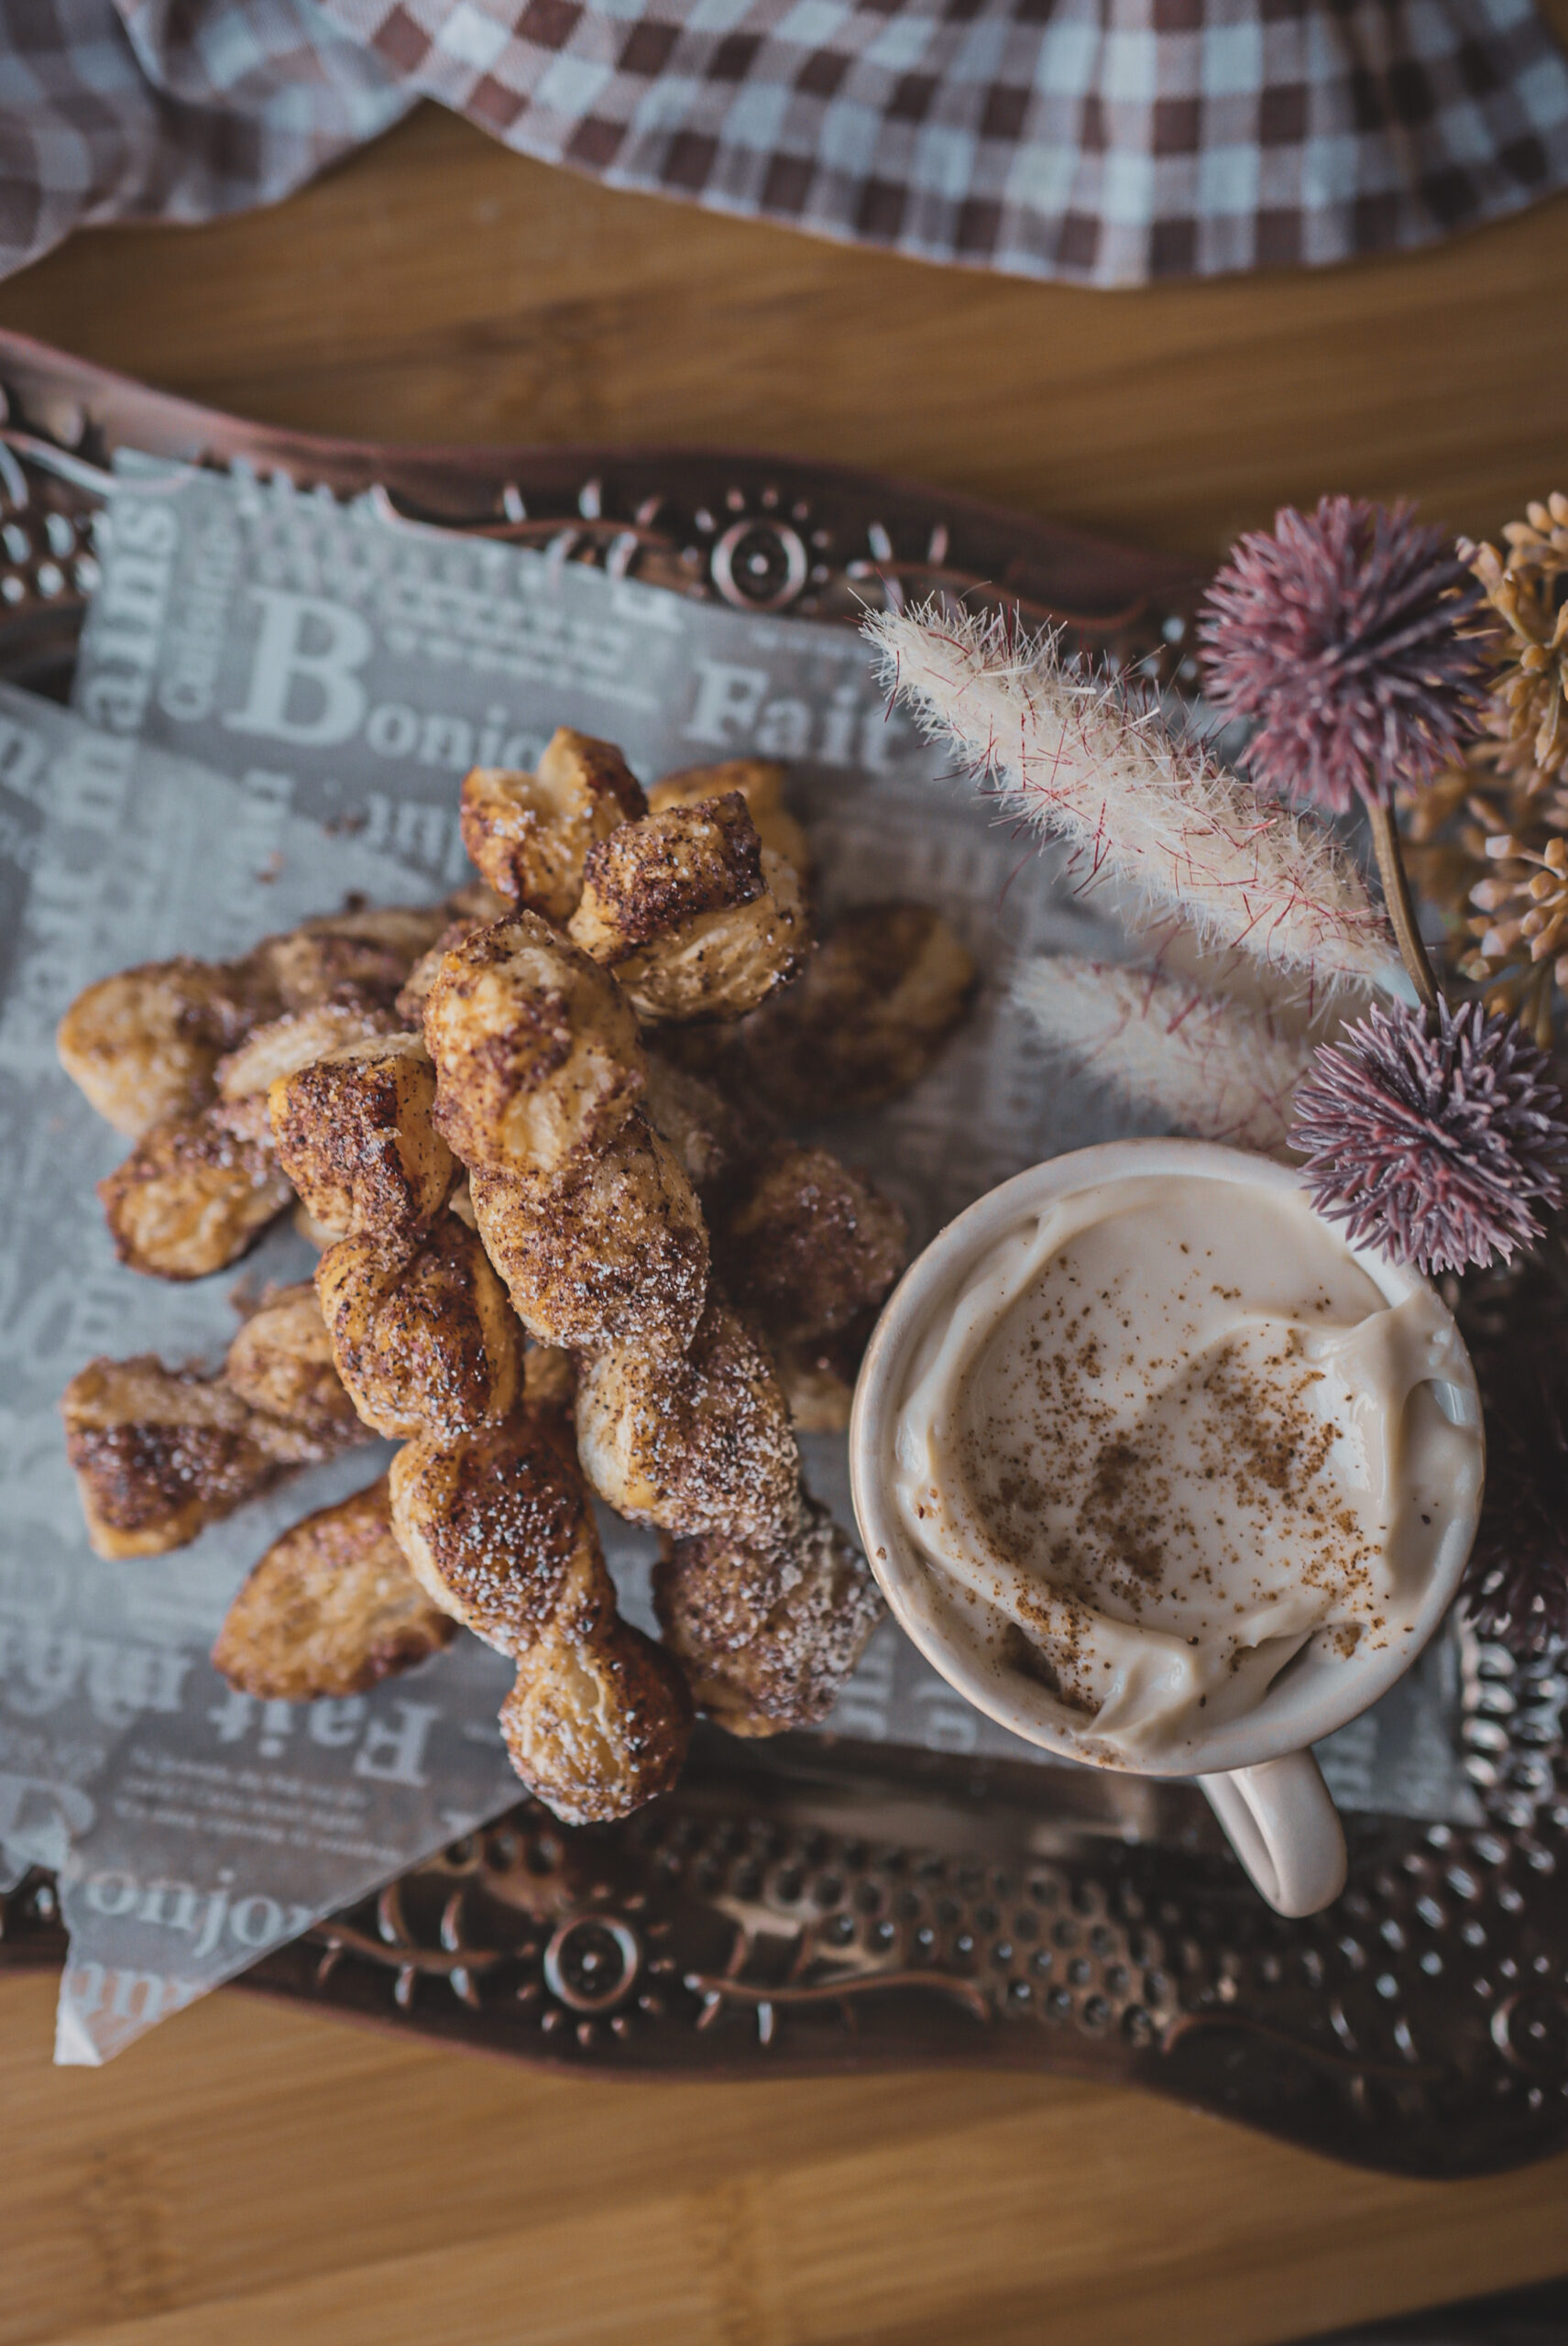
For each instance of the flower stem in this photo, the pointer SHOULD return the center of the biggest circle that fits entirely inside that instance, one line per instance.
(1401, 911)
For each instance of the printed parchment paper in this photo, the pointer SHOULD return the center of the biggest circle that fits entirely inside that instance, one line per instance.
(277, 699)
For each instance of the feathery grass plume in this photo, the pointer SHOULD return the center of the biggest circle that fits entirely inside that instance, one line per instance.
(1076, 755)
(1206, 1065)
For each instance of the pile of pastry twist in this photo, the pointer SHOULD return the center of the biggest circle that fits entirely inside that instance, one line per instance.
(558, 1132)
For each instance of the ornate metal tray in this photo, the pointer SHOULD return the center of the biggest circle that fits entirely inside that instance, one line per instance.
(817, 1905)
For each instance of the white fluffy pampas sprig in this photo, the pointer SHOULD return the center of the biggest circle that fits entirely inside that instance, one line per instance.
(1068, 752)
(1203, 1064)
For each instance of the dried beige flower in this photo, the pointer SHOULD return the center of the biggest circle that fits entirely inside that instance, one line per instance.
(1078, 756)
(1205, 1064)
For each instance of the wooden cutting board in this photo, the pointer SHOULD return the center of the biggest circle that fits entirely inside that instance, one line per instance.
(253, 2174)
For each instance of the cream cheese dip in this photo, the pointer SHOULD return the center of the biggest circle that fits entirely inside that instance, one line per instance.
(1169, 1435)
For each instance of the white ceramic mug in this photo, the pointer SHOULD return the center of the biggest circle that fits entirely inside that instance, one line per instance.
(1257, 1768)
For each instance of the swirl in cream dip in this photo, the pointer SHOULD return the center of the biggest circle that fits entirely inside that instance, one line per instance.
(1171, 1434)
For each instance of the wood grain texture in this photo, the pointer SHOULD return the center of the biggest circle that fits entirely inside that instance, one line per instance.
(438, 287)
(255, 2174)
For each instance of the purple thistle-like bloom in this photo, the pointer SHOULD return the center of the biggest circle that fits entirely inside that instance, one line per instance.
(1337, 633)
(1434, 1135)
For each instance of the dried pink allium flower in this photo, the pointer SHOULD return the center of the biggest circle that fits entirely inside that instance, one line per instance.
(1338, 633)
(1433, 1134)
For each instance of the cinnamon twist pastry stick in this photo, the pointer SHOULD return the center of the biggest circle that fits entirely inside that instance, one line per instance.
(693, 1444)
(196, 1191)
(160, 1453)
(812, 1247)
(498, 1528)
(421, 1334)
(760, 781)
(529, 833)
(144, 1045)
(355, 1133)
(614, 1253)
(697, 918)
(536, 1048)
(768, 1635)
(332, 1608)
(488, 1503)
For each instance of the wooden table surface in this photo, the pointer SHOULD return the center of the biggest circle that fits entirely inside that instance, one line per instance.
(255, 2174)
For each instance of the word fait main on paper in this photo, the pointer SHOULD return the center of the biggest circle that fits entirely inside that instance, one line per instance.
(375, 663)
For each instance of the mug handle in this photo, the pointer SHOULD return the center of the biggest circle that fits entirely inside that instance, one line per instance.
(1283, 1826)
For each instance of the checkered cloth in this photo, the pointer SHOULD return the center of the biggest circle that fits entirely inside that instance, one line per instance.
(1104, 142)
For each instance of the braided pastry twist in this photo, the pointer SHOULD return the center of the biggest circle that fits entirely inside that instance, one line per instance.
(694, 915)
(599, 1717)
(487, 1501)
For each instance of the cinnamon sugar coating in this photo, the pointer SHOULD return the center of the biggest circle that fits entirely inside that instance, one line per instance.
(768, 1634)
(421, 1331)
(760, 781)
(614, 1253)
(194, 1194)
(280, 1363)
(536, 1048)
(370, 950)
(808, 1244)
(529, 833)
(884, 990)
(157, 1454)
(355, 1134)
(280, 1045)
(695, 917)
(198, 1190)
(598, 1728)
(143, 1045)
(498, 1527)
(695, 1443)
(331, 1609)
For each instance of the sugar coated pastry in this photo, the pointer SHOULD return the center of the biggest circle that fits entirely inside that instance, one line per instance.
(760, 781)
(159, 1452)
(613, 1253)
(422, 1333)
(280, 1363)
(194, 1194)
(697, 918)
(693, 1443)
(331, 1609)
(356, 1135)
(529, 833)
(499, 1528)
(808, 1244)
(536, 1048)
(881, 996)
(143, 1045)
(768, 1634)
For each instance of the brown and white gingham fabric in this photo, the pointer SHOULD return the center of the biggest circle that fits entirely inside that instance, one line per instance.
(1104, 141)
